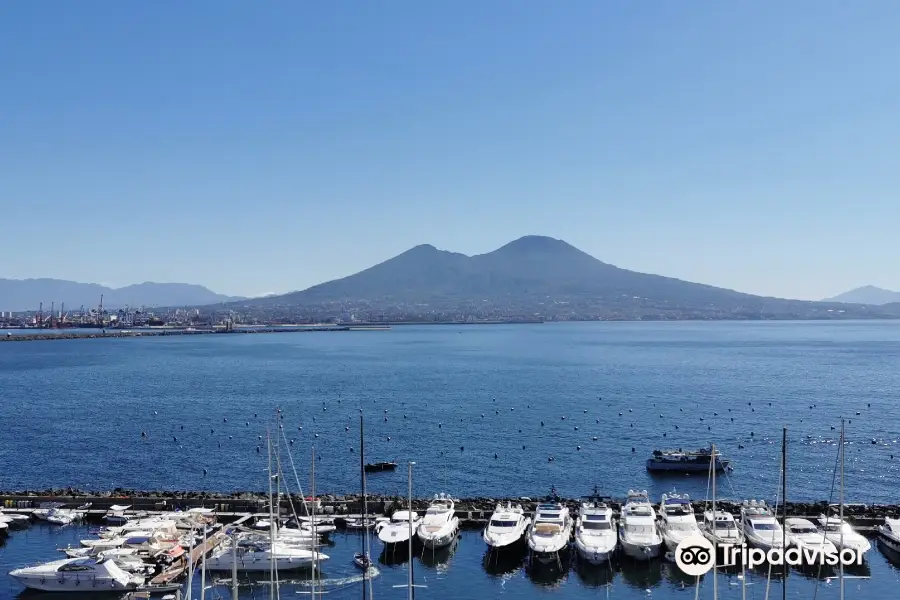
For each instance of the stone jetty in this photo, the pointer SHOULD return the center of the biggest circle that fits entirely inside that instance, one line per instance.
(474, 511)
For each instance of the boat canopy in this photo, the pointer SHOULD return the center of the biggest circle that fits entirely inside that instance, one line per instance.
(119, 507)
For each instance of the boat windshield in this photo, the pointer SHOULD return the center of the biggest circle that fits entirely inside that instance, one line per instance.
(681, 527)
(549, 517)
(764, 526)
(724, 524)
(640, 528)
(596, 525)
(803, 529)
(499, 523)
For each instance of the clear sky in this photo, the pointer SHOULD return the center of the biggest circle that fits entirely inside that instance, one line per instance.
(263, 146)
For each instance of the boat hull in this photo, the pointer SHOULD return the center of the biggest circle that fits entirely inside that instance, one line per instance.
(888, 542)
(499, 543)
(593, 554)
(71, 584)
(439, 539)
(641, 551)
(263, 563)
(687, 467)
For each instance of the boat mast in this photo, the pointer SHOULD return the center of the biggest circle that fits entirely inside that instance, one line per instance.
(234, 586)
(715, 553)
(841, 513)
(784, 510)
(412, 590)
(315, 552)
(271, 523)
(362, 477)
(190, 564)
(203, 567)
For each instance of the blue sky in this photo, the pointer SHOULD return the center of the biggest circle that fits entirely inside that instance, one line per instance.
(260, 147)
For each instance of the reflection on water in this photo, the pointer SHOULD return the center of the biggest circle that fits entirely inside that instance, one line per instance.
(498, 563)
(641, 574)
(439, 558)
(594, 575)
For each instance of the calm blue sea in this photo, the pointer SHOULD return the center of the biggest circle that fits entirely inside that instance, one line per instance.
(481, 409)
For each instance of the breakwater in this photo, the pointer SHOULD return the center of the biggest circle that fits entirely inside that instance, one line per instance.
(128, 333)
(473, 510)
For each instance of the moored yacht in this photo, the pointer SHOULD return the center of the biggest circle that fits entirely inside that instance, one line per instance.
(507, 527)
(595, 533)
(889, 534)
(761, 528)
(77, 575)
(802, 534)
(440, 524)
(638, 532)
(253, 556)
(550, 532)
(677, 520)
(842, 535)
(721, 529)
(15, 521)
(398, 529)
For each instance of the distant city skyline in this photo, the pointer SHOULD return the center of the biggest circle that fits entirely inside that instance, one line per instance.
(264, 150)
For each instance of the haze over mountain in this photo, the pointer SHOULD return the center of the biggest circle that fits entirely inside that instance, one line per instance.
(27, 294)
(543, 277)
(867, 294)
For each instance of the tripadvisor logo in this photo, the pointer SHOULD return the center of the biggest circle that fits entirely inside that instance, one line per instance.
(695, 556)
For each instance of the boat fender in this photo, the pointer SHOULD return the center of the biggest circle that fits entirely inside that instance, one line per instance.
(43, 580)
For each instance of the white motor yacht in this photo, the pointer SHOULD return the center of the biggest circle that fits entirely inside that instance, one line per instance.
(62, 516)
(358, 523)
(44, 509)
(15, 521)
(638, 532)
(550, 532)
(507, 527)
(842, 535)
(596, 536)
(77, 575)
(761, 528)
(398, 529)
(677, 520)
(722, 529)
(116, 514)
(889, 534)
(251, 556)
(802, 534)
(440, 525)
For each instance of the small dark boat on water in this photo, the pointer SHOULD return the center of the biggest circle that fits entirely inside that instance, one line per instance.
(380, 466)
(686, 461)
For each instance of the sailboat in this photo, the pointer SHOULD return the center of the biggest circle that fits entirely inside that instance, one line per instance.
(361, 559)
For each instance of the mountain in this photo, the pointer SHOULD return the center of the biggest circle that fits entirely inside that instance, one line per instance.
(27, 294)
(533, 277)
(868, 294)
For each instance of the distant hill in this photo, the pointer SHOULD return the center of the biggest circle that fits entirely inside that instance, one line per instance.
(868, 294)
(27, 294)
(539, 276)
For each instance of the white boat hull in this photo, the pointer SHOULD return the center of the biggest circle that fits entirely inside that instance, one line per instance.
(889, 542)
(500, 542)
(640, 550)
(439, 539)
(263, 562)
(71, 584)
(595, 554)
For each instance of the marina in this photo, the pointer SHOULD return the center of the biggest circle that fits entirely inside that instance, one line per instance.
(493, 441)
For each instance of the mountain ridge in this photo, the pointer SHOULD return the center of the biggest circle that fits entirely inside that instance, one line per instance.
(28, 294)
(537, 277)
(867, 294)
